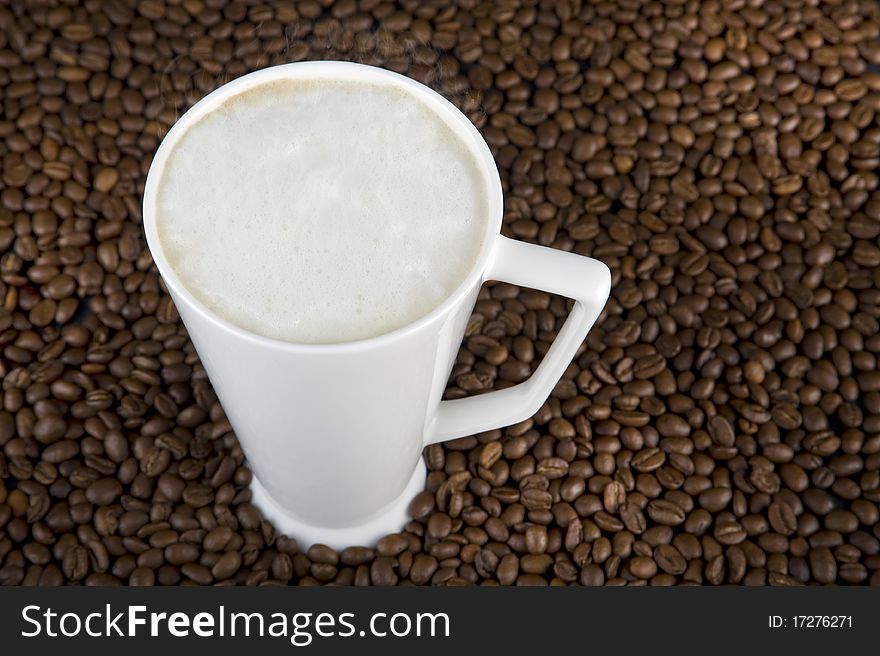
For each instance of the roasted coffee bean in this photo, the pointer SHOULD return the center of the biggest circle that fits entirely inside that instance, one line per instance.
(75, 564)
(382, 571)
(665, 512)
(782, 518)
(226, 566)
(633, 518)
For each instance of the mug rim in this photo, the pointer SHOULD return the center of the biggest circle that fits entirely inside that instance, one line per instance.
(448, 112)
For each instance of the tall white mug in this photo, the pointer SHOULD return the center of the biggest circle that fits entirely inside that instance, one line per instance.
(334, 432)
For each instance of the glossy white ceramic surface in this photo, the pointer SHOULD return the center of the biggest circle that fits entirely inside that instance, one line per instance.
(334, 433)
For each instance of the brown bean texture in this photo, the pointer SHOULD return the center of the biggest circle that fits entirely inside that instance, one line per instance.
(721, 424)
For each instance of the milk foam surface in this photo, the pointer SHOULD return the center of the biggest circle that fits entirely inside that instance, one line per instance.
(321, 211)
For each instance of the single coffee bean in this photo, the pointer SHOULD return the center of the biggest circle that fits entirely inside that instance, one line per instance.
(782, 518)
(382, 571)
(665, 512)
(227, 566)
(76, 563)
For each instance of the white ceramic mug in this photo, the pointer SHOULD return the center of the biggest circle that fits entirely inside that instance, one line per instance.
(334, 433)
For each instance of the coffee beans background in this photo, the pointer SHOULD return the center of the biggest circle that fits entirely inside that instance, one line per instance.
(721, 423)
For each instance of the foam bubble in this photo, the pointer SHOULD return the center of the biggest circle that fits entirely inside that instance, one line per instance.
(321, 212)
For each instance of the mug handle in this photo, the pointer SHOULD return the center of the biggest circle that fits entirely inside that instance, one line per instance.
(583, 279)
